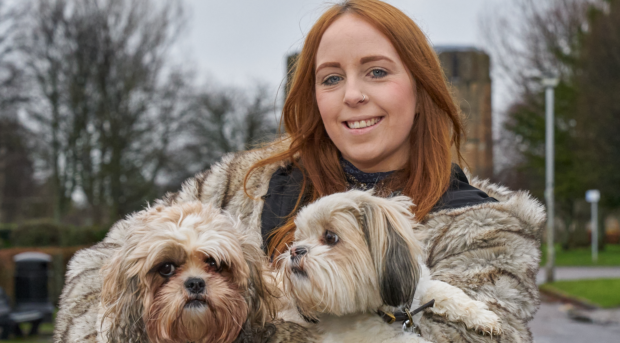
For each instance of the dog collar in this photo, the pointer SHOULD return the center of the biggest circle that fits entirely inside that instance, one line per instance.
(405, 317)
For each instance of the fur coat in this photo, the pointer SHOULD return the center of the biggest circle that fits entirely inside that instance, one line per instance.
(490, 251)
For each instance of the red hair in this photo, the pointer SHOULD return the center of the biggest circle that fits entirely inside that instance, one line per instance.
(437, 126)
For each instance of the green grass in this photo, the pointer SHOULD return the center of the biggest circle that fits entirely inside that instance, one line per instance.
(600, 292)
(583, 256)
(38, 339)
(45, 334)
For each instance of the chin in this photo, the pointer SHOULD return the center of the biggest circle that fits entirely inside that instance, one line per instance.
(185, 274)
(370, 157)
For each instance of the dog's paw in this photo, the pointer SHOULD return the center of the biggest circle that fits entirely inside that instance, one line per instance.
(485, 322)
(456, 306)
(476, 316)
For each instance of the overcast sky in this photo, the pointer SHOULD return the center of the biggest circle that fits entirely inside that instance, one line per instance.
(238, 42)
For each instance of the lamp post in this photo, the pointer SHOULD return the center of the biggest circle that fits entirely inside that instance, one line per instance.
(549, 82)
(593, 196)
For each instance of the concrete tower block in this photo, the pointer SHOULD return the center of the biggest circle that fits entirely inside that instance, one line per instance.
(467, 70)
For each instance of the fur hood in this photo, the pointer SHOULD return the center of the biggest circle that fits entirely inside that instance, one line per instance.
(490, 250)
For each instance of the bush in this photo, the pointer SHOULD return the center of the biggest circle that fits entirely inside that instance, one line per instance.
(76, 235)
(45, 233)
(36, 234)
(5, 234)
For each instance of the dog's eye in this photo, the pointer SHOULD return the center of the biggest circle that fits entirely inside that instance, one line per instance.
(210, 261)
(167, 269)
(331, 238)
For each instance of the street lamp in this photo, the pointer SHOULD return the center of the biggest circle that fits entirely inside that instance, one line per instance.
(593, 196)
(549, 82)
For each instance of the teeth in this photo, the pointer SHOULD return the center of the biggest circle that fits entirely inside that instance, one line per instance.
(362, 123)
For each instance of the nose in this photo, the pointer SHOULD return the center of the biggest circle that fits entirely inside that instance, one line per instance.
(353, 95)
(195, 285)
(298, 251)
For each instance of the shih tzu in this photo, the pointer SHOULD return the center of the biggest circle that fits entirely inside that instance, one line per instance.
(186, 273)
(355, 261)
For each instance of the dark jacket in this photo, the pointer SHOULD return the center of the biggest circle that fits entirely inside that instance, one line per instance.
(285, 185)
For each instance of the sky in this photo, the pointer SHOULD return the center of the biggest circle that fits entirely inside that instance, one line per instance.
(242, 42)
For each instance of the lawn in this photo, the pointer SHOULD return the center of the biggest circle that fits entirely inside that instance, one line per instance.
(600, 292)
(45, 334)
(583, 256)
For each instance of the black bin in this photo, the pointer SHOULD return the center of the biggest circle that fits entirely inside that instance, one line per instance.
(31, 283)
(5, 307)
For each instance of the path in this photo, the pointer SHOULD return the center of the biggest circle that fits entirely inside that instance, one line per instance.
(552, 325)
(577, 273)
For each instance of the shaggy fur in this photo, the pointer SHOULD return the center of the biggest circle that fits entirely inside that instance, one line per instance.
(355, 253)
(490, 251)
(180, 276)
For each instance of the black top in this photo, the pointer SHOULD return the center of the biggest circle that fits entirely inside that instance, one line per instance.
(360, 180)
(285, 185)
(460, 193)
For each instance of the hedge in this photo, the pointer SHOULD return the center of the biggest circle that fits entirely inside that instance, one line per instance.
(47, 234)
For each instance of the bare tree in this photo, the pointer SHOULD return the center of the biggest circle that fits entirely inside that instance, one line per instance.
(104, 100)
(11, 76)
(15, 165)
(534, 39)
(226, 121)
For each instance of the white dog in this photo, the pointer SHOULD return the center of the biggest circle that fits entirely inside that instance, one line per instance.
(354, 256)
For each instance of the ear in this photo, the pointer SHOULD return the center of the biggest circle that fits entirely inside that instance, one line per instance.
(122, 299)
(262, 293)
(388, 227)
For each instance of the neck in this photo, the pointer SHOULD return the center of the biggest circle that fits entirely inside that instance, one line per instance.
(370, 167)
(360, 179)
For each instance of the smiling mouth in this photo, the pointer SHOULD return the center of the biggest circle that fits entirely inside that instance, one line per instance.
(361, 124)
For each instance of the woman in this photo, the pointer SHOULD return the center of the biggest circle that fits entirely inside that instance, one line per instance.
(369, 107)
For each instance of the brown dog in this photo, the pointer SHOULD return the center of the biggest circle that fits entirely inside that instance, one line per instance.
(187, 273)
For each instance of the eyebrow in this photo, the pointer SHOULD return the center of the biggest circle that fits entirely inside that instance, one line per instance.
(327, 64)
(363, 60)
(367, 59)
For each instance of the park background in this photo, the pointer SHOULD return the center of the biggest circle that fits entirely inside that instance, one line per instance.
(105, 105)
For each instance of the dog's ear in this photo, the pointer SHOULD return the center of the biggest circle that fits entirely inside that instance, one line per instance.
(388, 227)
(262, 293)
(122, 299)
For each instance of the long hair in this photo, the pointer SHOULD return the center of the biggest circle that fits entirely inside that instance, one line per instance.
(437, 126)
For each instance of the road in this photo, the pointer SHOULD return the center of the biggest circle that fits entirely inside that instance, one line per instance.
(552, 325)
(579, 273)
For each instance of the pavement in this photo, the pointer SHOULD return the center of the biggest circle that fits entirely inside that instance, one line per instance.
(552, 325)
(580, 273)
(553, 322)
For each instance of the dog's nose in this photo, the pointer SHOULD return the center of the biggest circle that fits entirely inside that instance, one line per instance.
(195, 285)
(298, 252)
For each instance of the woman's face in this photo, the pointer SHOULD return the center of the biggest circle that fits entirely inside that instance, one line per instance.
(365, 94)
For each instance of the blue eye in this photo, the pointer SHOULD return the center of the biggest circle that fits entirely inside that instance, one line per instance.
(332, 80)
(377, 73)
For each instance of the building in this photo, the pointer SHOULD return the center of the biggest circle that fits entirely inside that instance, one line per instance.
(468, 72)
